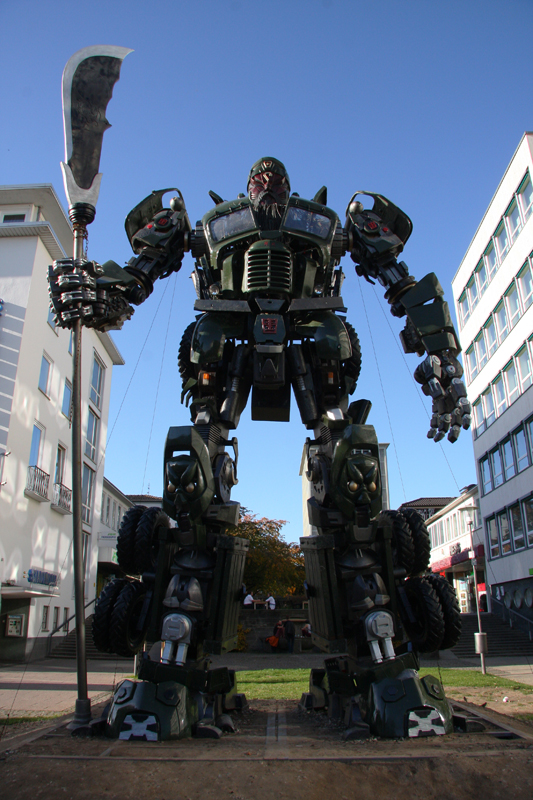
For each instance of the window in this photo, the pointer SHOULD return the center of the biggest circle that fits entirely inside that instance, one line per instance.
(498, 391)
(97, 380)
(119, 516)
(519, 539)
(513, 305)
(486, 478)
(525, 197)
(502, 324)
(464, 310)
(497, 467)
(471, 363)
(524, 368)
(505, 532)
(35, 449)
(102, 511)
(91, 441)
(488, 404)
(490, 336)
(471, 291)
(51, 319)
(87, 483)
(44, 375)
(113, 514)
(525, 285)
(492, 534)
(513, 220)
(502, 241)
(511, 382)
(508, 459)
(55, 622)
(14, 217)
(60, 464)
(65, 620)
(481, 276)
(481, 351)
(44, 623)
(527, 505)
(490, 260)
(479, 419)
(66, 405)
(520, 447)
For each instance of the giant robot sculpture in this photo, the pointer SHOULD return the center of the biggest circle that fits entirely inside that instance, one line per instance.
(268, 280)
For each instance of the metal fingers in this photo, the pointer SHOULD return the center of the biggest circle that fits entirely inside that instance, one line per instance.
(441, 380)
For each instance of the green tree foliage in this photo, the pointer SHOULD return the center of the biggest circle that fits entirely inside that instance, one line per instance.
(272, 565)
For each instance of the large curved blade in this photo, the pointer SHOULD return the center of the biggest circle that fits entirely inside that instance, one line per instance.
(87, 88)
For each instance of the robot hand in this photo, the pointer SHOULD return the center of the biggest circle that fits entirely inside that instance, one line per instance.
(440, 376)
(97, 295)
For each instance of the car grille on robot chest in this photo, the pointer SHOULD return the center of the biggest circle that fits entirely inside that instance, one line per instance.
(268, 267)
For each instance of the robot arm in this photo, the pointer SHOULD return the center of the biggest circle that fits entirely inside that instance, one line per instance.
(375, 239)
(101, 295)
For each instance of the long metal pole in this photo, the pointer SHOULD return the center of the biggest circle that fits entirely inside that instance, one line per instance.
(480, 639)
(80, 215)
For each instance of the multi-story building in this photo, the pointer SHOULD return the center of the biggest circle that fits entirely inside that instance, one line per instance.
(113, 506)
(36, 570)
(427, 506)
(457, 546)
(493, 291)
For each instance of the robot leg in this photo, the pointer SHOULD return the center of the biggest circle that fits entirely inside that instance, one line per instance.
(359, 598)
(188, 598)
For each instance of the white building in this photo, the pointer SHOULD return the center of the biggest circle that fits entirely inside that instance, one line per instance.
(36, 571)
(113, 506)
(457, 541)
(493, 290)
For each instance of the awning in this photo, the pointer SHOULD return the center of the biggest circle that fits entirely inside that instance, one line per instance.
(458, 558)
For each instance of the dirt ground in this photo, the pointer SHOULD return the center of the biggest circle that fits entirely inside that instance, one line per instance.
(277, 752)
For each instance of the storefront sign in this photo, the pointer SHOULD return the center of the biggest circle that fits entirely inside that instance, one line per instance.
(42, 577)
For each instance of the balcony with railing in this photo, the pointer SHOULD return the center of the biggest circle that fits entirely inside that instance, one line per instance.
(37, 484)
(61, 499)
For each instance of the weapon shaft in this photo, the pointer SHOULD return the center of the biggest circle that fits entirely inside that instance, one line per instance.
(81, 214)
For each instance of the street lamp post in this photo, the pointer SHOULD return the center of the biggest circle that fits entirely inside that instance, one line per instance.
(480, 638)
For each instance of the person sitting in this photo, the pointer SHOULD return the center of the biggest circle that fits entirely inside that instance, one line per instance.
(306, 630)
(249, 601)
(270, 603)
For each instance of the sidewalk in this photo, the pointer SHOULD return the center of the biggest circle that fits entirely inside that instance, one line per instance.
(49, 687)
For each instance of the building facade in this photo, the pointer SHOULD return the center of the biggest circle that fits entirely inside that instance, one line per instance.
(427, 506)
(457, 547)
(493, 292)
(36, 570)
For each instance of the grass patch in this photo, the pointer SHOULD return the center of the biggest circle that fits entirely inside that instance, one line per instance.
(474, 678)
(288, 684)
(19, 720)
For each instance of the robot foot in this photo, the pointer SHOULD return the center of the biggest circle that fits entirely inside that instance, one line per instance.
(196, 703)
(388, 700)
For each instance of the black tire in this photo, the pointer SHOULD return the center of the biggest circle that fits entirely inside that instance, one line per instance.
(421, 540)
(102, 614)
(126, 539)
(146, 539)
(450, 610)
(426, 631)
(124, 637)
(185, 367)
(352, 365)
(403, 549)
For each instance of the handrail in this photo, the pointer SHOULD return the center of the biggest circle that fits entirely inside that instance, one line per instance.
(517, 614)
(66, 621)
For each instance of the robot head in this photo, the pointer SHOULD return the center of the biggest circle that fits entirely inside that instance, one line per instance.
(268, 183)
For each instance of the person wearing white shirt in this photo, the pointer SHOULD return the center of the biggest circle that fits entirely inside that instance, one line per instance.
(271, 603)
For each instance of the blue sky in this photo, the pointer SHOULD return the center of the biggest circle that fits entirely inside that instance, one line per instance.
(424, 102)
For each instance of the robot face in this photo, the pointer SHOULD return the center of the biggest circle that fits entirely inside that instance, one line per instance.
(268, 188)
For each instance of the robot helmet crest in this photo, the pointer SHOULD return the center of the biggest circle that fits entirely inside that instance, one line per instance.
(269, 164)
